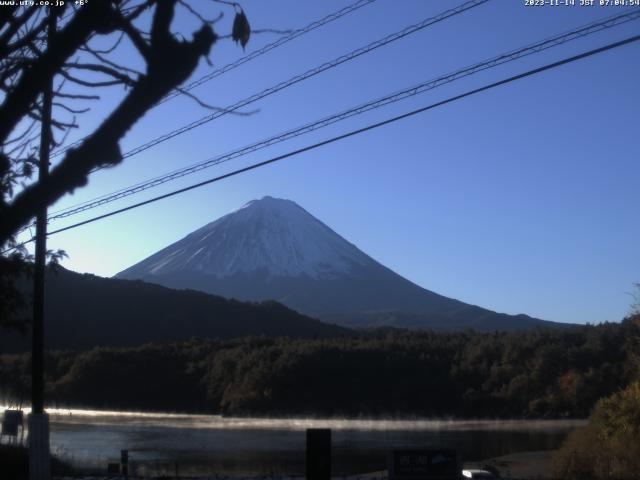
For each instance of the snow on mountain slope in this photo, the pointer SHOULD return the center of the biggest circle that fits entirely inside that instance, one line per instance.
(268, 234)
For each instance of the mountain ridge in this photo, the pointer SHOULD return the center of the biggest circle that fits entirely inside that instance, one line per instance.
(84, 311)
(274, 249)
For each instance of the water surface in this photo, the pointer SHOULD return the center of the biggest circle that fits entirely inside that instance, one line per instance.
(210, 445)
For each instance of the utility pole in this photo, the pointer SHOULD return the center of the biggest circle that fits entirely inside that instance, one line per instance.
(39, 452)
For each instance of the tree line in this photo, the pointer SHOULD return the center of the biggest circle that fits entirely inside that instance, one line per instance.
(536, 374)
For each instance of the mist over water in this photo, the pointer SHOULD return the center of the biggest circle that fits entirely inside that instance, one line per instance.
(211, 444)
(174, 420)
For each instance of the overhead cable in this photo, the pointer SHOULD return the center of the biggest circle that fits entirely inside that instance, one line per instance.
(501, 59)
(352, 133)
(247, 58)
(304, 76)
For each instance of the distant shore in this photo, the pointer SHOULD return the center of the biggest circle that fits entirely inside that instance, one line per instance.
(403, 421)
(297, 422)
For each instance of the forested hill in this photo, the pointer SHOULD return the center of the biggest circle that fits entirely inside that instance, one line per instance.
(542, 373)
(84, 310)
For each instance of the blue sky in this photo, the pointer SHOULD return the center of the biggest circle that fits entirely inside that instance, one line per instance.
(523, 199)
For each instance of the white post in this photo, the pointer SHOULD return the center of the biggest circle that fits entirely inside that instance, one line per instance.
(39, 458)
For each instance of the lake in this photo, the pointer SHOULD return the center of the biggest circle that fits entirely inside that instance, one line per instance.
(209, 444)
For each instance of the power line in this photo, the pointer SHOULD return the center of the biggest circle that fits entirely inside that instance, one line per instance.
(247, 58)
(510, 56)
(281, 41)
(309, 73)
(352, 133)
(306, 75)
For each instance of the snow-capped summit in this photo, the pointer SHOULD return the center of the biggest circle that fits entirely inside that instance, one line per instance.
(273, 249)
(270, 235)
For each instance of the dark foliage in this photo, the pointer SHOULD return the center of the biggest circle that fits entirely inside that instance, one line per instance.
(609, 446)
(12, 303)
(60, 50)
(15, 463)
(542, 373)
(241, 29)
(85, 311)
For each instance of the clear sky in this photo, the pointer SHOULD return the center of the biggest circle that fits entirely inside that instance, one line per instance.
(523, 199)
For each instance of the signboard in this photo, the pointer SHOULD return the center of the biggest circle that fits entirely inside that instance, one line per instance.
(11, 421)
(443, 464)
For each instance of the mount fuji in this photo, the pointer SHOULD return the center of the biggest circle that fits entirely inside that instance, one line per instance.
(274, 249)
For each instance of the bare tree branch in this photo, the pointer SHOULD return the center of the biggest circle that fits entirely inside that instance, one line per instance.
(106, 51)
(88, 83)
(76, 96)
(120, 77)
(69, 109)
(169, 63)
(213, 107)
(100, 56)
(33, 80)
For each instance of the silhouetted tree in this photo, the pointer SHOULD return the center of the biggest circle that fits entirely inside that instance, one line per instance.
(81, 55)
(635, 304)
(28, 61)
(609, 446)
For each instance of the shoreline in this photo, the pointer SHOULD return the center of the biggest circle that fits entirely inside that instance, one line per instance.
(527, 465)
